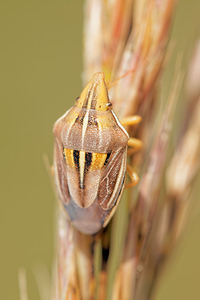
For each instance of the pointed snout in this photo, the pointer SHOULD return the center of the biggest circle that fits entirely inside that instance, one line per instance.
(95, 94)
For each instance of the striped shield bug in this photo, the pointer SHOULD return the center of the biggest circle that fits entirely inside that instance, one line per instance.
(90, 158)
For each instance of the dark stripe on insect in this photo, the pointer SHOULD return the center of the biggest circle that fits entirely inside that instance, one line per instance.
(76, 155)
(80, 118)
(88, 160)
(107, 158)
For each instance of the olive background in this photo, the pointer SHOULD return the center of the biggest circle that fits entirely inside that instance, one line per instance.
(40, 77)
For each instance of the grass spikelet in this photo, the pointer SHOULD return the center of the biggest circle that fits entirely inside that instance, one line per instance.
(124, 260)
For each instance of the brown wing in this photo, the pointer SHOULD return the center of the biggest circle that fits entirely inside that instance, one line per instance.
(60, 174)
(112, 180)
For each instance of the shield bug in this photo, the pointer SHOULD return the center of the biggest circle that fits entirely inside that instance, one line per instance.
(90, 158)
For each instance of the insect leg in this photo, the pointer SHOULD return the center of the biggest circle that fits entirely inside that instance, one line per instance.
(131, 120)
(133, 176)
(135, 145)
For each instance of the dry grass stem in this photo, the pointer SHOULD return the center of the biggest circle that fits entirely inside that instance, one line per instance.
(127, 40)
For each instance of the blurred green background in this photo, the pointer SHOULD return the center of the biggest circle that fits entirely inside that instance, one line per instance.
(41, 65)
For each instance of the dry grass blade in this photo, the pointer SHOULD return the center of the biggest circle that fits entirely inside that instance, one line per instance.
(143, 55)
(143, 216)
(107, 25)
(185, 163)
(67, 277)
(124, 260)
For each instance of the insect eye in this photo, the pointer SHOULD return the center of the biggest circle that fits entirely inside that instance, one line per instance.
(107, 158)
(109, 105)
